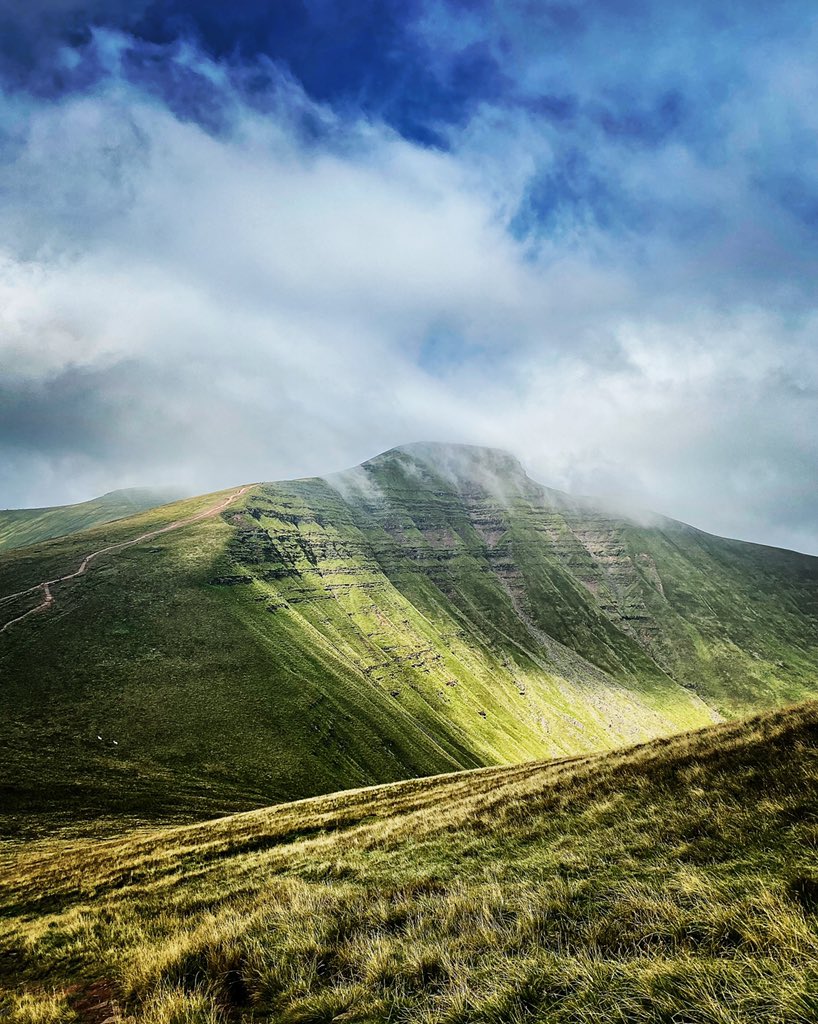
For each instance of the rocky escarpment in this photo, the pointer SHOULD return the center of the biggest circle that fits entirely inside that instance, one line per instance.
(526, 570)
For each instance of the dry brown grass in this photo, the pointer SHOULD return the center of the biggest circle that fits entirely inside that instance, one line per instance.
(675, 882)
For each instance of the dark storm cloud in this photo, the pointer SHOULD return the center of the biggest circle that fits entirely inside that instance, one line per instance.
(93, 410)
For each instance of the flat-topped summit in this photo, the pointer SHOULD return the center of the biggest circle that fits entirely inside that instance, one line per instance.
(462, 467)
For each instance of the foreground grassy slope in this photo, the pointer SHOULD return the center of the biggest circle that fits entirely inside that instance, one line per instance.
(677, 882)
(433, 610)
(20, 527)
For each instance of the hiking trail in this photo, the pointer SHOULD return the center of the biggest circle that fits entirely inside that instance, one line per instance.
(46, 585)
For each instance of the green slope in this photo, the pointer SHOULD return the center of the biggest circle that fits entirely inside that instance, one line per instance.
(22, 526)
(432, 610)
(676, 882)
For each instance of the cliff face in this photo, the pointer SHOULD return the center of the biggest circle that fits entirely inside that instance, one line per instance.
(430, 610)
(532, 568)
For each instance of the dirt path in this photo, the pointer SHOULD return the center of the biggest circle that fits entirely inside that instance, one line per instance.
(46, 585)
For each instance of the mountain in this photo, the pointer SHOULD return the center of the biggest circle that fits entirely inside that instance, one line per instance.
(672, 882)
(22, 526)
(431, 610)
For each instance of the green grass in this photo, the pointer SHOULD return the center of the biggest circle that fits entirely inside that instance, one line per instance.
(20, 527)
(673, 882)
(434, 610)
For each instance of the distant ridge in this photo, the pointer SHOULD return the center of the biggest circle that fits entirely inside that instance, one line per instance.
(22, 526)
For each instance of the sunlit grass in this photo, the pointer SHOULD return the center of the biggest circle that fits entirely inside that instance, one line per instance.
(673, 882)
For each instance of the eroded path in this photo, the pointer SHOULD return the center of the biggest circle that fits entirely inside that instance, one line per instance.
(46, 585)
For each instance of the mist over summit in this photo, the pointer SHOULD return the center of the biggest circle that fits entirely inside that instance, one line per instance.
(432, 609)
(585, 236)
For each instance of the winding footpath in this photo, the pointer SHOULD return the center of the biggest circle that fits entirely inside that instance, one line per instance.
(46, 585)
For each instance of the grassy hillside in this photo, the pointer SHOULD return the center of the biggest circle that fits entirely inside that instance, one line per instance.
(22, 526)
(676, 882)
(736, 622)
(433, 610)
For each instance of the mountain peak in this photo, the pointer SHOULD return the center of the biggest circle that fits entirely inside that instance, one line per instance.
(460, 466)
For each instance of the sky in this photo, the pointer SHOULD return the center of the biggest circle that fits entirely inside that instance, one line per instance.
(260, 240)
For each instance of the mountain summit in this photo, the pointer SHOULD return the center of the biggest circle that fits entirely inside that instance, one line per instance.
(430, 610)
(465, 466)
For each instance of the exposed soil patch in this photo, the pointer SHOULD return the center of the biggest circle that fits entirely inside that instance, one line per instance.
(94, 1003)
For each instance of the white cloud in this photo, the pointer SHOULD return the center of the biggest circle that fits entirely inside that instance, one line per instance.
(198, 309)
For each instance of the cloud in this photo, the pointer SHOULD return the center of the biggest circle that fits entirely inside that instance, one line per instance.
(210, 276)
(185, 302)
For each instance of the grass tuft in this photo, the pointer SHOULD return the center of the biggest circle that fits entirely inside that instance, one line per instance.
(624, 893)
